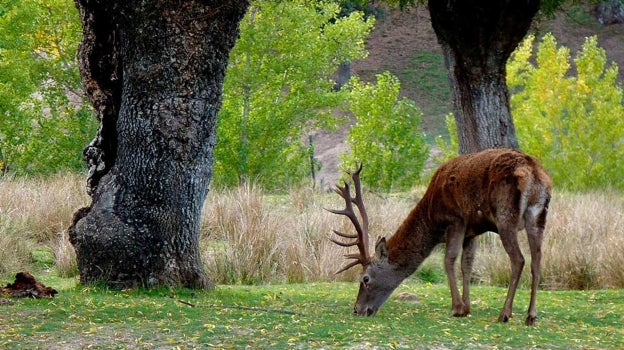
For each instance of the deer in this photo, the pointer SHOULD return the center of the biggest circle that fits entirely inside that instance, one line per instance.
(497, 190)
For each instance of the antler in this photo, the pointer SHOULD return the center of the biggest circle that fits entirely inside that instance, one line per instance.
(361, 238)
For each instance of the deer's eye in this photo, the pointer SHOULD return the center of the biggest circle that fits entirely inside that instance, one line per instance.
(365, 279)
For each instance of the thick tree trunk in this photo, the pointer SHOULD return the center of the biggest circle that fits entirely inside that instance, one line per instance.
(477, 38)
(154, 72)
(610, 12)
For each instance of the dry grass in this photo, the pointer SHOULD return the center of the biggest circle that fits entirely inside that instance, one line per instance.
(43, 207)
(584, 241)
(251, 237)
(582, 246)
(34, 214)
(15, 251)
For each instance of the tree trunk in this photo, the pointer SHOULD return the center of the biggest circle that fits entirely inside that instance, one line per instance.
(154, 72)
(610, 12)
(477, 37)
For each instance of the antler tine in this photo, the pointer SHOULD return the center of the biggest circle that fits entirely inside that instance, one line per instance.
(361, 238)
(343, 244)
(358, 200)
(345, 235)
(345, 193)
(348, 266)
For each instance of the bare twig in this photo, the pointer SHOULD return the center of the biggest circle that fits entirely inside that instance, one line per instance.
(239, 307)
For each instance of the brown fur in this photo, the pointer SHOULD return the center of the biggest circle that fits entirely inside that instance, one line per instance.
(497, 190)
(463, 187)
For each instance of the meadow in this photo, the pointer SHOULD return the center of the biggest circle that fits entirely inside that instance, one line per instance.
(276, 287)
(306, 316)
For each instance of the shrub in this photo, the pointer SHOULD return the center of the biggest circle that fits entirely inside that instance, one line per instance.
(387, 136)
(574, 124)
(279, 88)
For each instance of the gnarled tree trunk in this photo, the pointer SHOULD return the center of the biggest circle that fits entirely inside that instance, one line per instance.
(154, 72)
(477, 38)
(610, 12)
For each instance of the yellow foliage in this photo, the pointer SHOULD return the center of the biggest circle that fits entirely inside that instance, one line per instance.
(575, 124)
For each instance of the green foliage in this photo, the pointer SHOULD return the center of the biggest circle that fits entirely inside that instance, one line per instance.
(387, 136)
(575, 125)
(549, 7)
(429, 274)
(448, 148)
(44, 120)
(428, 77)
(369, 8)
(279, 87)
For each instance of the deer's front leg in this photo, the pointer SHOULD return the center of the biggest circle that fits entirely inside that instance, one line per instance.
(468, 255)
(454, 242)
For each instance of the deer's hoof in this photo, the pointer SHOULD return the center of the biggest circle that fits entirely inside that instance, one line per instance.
(460, 311)
(530, 320)
(504, 318)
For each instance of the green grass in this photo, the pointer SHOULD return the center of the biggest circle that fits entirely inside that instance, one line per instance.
(315, 315)
(427, 79)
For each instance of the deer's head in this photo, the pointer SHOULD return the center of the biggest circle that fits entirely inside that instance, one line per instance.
(379, 278)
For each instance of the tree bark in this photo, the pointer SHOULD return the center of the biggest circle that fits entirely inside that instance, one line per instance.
(477, 37)
(154, 72)
(610, 12)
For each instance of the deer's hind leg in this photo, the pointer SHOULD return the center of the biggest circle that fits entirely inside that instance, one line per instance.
(509, 238)
(534, 226)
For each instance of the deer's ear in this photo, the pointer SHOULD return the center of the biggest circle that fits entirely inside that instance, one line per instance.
(381, 249)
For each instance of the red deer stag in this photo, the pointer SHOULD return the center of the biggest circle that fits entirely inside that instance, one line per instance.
(497, 190)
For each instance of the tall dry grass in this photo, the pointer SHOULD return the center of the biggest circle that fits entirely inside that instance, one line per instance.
(248, 236)
(15, 251)
(582, 246)
(251, 237)
(34, 214)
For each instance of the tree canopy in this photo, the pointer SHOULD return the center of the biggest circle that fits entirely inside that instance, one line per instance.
(573, 122)
(45, 121)
(387, 136)
(279, 86)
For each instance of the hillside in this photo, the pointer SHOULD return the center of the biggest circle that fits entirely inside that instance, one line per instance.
(404, 43)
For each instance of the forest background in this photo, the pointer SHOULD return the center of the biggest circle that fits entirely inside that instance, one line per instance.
(264, 223)
(287, 115)
(564, 81)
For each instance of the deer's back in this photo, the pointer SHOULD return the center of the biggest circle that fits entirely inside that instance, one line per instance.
(480, 188)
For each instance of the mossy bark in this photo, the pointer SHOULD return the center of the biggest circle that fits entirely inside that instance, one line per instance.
(154, 72)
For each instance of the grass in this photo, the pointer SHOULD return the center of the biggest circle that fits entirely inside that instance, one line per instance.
(250, 237)
(274, 267)
(302, 316)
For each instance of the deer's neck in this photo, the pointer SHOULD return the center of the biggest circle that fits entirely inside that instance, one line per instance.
(413, 241)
